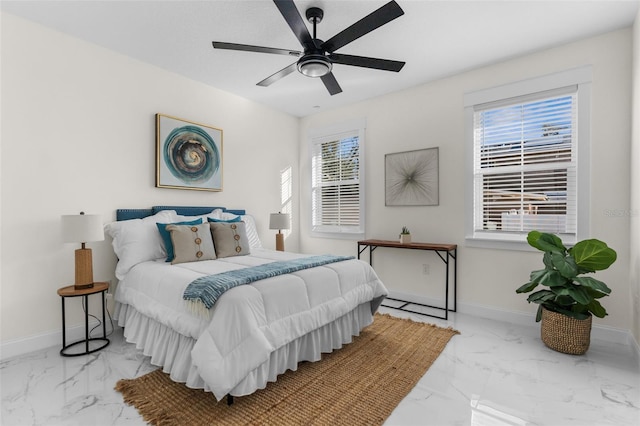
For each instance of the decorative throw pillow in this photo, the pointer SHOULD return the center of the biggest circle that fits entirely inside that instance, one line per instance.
(230, 239)
(249, 222)
(191, 243)
(166, 235)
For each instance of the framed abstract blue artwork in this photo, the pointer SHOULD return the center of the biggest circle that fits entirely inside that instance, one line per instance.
(188, 155)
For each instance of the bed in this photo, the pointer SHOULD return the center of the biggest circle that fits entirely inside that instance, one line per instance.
(254, 331)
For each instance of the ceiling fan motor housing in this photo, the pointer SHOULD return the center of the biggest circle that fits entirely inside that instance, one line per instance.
(314, 65)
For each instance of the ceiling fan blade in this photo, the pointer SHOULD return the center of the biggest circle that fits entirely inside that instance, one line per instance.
(291, 14)
(365, 62)
(277, 76)
(376, 19)
(331, 84)
(250, 48)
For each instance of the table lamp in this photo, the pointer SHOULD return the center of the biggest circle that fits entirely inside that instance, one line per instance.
(279, 221)
(82, 228)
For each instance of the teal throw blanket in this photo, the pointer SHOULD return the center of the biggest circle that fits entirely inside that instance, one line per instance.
(208, 289)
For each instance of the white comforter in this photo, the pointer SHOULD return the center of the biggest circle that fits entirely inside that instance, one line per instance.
(248, 322)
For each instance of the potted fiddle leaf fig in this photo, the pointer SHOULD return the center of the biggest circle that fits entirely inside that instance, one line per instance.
(405, 236)
(569, 297)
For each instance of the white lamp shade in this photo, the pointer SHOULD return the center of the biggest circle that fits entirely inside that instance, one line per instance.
(82, 228)
(279, 221)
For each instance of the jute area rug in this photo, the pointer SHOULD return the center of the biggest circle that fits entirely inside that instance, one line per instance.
(359, 384)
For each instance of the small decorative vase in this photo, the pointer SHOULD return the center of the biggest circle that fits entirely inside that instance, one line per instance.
(565, 334)
(405, 238)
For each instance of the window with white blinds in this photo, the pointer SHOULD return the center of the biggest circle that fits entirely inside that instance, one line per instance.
(337, 190)
(528, 160)
(525, 163)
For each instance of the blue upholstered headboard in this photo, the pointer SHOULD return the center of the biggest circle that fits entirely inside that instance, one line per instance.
(126, 214)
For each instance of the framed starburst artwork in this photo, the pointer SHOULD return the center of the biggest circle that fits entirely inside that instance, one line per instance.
(411, 178)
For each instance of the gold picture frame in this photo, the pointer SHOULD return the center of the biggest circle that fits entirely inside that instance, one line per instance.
(188, 154)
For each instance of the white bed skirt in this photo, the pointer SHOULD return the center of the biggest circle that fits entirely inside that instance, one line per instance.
(172, 350)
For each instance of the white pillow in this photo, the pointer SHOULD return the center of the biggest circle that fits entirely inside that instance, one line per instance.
(250, 225)
(138, 240)
(252, 231)
(213, 214)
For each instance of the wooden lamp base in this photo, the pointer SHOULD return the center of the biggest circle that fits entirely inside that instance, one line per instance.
(84, 269)
(280, 241)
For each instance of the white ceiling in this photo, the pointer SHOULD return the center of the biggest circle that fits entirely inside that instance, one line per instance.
(435, 39)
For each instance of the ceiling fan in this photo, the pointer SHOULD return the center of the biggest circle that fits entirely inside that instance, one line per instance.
(318, 57)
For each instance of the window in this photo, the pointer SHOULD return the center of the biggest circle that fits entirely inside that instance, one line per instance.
(527, 171)
(337, 188)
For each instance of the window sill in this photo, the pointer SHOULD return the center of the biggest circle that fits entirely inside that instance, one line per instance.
(338, 235)
(492, 243)
(508, 242)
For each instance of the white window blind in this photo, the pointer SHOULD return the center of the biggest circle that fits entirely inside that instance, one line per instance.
(525, 164)
(337, 202)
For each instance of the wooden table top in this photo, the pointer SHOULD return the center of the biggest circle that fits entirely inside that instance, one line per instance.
(412, 245)
(70, 291)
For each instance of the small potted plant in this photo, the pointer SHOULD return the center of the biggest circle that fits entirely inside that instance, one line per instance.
(569, 299)
(405, 236)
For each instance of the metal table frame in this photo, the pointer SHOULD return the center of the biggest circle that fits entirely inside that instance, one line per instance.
(100, 288)
(448, 253)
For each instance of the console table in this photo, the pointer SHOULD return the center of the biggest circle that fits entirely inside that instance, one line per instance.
(446, 252)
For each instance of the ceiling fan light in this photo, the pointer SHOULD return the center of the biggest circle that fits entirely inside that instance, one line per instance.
(314, 65)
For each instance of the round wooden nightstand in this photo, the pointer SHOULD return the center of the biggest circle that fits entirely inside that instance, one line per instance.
(70, 291)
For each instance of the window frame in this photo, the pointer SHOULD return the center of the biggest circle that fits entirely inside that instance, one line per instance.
(518, 92)
(326, 134)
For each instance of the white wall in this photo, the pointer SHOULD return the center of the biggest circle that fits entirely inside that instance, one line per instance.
(431, 115)
(634, 269)
(78, 134)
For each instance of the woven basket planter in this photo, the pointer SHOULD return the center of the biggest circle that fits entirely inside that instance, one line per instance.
(565, 334)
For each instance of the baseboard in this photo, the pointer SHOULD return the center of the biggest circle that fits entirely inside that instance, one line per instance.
(600, 332)
(635, 348)
(22, 346)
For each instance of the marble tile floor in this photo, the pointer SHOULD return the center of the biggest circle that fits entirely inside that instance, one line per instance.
(493, 373)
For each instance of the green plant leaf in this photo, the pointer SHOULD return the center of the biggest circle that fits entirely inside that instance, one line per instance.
(539, 313)
(547, 259)
(560, 290)
(566, 265)
(547, 277)
(564, 300)
(545, 242)
(532, 239)
(579, 308)
(593, 255)
(594, 293)
(596, 309)
(580, 295)
(541, 296)
(592, 283)
(526, 288)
